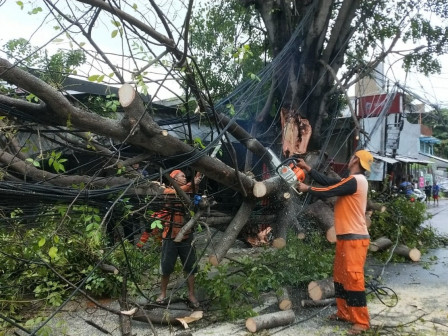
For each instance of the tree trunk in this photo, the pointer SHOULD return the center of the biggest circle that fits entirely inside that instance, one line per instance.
(380, 244)
(321, 289)
(284, 302)
(125, 320)
(325, 217)
(282, 318)
(410, 254)
(232, 231)
(318, 303)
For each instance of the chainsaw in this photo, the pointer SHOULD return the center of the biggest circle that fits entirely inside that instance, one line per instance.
(288, 169)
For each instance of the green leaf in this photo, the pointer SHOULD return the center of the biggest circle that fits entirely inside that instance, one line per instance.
(56, 239)
(41, 242)
(53, 252)
(157, 224)
(114, 33)
(20, 3)
(93, 78)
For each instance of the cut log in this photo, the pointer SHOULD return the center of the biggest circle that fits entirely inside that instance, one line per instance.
(284, 302)
(331, 235)
(267, 187)
(375, 206)
(232, 231)
(321, 289)
(318, 303)
(325, 218)
(279, 243)
(380, 244)
(272, 320)
(409, 253)
(161, 315)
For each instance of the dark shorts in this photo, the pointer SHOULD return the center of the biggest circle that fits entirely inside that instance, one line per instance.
(185, 250)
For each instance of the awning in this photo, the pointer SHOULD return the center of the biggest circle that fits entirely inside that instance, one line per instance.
(384, 158)
(406, 159)
(429, 139)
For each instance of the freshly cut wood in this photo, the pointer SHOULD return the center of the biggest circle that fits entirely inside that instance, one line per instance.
(380, 244)
(267, 187)
(321, 289)
(413, 254)
(272, 320)
(284, 302)
(318, 303)
(279, 243)
(331, 235)
(375, 206)
(232, 231)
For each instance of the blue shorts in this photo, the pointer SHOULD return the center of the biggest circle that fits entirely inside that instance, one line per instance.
(185, 250)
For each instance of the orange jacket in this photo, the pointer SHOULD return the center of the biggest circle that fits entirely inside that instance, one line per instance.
(350, 207)
(173, 220)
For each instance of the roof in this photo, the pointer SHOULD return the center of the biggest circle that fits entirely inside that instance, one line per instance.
(407, 159)
(429, 139)
(384, 158)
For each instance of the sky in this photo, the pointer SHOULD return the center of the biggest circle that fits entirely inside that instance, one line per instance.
(432, 89)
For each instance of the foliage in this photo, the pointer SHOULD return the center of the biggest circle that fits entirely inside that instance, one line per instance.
(70, 241)
(228, 47)
(53, 69)
(236, 284)
(403, 222)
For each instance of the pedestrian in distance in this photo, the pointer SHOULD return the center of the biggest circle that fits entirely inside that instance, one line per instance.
(428, 192)
(352, 237)
(173, 221)
(435, 193)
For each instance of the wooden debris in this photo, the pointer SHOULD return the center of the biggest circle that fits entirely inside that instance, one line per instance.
(272, 320)
(318, 303)
(284, 302)
(411, 254)
(380, 244)
(321, 289)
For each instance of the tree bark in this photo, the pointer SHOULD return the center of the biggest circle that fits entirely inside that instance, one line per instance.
(125, 320)
(161, 315)
(412, 254)
(284, 302)
(318, 303)
(272, 320)
(232, 231)
(380, 244)
(325, 217)
(371, 205)
(321, 289)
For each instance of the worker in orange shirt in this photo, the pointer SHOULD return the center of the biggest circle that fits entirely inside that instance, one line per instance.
(352, 237)
(173, 220)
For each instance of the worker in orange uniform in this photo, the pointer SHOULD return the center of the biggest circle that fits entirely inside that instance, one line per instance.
(352, 237)
(173, 220)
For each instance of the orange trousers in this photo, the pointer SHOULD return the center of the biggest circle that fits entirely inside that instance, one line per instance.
(348, 275)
